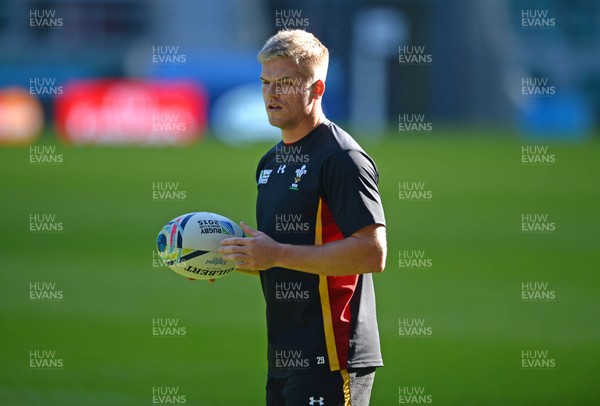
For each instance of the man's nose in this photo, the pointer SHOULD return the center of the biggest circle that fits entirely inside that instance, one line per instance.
(270, 89)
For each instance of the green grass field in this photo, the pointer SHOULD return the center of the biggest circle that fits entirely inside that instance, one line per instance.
(102, 261)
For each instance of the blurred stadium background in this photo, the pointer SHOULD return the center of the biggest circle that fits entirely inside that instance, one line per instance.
(490, 108)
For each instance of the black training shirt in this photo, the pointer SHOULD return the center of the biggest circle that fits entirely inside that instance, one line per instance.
(317, 190)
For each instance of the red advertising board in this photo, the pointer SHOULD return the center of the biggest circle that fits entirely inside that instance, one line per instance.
(131, 112)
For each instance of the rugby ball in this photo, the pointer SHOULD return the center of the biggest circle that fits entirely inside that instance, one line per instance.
(189, 245)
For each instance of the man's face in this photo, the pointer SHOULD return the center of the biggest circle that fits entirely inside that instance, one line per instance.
(287, 94)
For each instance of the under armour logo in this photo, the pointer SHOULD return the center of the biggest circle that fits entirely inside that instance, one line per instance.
(314, 401)
(281, 169)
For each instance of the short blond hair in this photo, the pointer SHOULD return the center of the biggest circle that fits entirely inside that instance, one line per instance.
(311, 56)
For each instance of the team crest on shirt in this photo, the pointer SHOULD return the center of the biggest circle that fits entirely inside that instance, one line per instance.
(298, 177)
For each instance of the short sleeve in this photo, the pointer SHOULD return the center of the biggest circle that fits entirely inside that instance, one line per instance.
(348, 185)
(260, 166)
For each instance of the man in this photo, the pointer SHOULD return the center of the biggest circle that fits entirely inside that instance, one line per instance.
(321, 234)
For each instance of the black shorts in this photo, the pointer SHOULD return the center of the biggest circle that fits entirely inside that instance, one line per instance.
(343, 388)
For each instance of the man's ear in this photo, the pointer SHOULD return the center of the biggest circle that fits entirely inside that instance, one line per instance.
(318, 89)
